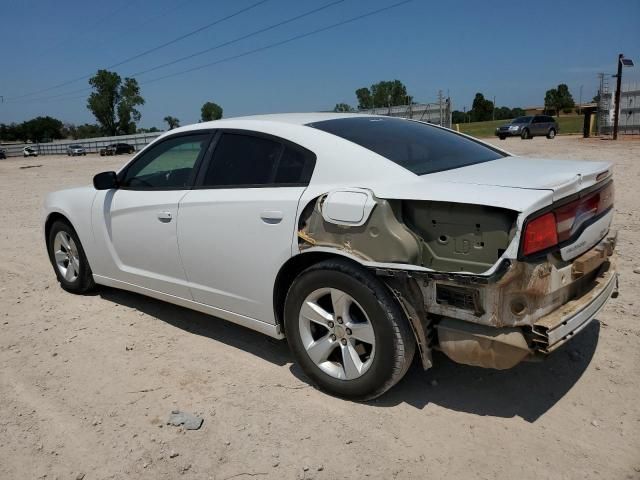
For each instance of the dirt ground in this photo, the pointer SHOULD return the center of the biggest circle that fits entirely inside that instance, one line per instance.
(88, 382)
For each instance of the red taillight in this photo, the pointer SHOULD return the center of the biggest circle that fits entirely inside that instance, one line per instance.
(541, 233)
(562, 223)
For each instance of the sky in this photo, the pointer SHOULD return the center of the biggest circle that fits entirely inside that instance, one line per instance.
(513, 51)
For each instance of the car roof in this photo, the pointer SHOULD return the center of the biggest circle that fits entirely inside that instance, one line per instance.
(282, 118)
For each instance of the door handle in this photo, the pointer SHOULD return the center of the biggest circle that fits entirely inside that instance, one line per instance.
(271, 217)
(165, 217)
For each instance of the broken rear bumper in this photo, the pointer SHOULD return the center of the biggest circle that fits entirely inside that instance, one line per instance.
(555, 329)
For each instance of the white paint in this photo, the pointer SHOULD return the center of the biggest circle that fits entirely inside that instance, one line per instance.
(220, 250)
(348, 207)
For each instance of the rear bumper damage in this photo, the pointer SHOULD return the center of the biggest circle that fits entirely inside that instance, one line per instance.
(526, 313)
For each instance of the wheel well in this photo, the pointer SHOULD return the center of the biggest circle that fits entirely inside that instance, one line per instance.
(51, 219)
(288, 273)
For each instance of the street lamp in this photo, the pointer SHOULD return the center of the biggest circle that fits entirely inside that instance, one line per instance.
(622, 62)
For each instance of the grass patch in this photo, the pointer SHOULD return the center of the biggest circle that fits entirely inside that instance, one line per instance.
(567, 124)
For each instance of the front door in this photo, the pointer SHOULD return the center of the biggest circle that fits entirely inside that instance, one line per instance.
(237, 227)
(137, 223)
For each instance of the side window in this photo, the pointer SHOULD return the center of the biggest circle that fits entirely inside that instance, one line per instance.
(537, 120)
(295, 167)
(250, 160)
(167, 165)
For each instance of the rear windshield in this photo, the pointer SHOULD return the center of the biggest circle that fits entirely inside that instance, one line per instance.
(418, 147)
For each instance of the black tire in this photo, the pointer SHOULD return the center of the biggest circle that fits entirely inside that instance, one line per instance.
(502, 137)
(551, 134)
(84, 281)
(525, 134)
(394, 340)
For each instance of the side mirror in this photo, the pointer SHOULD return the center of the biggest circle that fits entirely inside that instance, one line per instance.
(105, 181)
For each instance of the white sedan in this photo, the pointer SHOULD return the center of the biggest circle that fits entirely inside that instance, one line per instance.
(361, 239)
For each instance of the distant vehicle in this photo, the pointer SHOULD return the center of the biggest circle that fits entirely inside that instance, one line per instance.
(529, 127)
(29, 152)
(2, 154)
(73, 150)
(117, 149)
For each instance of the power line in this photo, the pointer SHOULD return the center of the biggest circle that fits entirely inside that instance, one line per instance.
(151, 50)
(282, 42)
(235, 40)
(266, 47)
(224, 44)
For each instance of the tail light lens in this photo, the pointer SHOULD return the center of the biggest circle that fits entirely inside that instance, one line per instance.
(560, 224)
(541, 233)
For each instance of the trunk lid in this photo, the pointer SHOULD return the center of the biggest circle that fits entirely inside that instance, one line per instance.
(562, 177)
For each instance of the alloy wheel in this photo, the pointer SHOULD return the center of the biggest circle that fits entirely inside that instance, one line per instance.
(337, 333)
(66, 256)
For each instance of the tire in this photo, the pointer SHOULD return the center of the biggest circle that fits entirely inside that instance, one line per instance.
(551, 134)
(502, 137)
(376, 363)
(80, 279)
(525, 134)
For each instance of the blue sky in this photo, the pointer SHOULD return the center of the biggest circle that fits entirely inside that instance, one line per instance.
(513, 50)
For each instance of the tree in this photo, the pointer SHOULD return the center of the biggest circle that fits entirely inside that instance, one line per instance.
(210, 111)
(148, 130)
(343, 107)
(383, 94)
(482, 109)
(172, 122)
(114, 103)
(559, 99)
(130, 98)
(364, 98)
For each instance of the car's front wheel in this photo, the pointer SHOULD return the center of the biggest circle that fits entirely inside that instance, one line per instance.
(525, 134)
(68, 259)
(346, 330)
(552, 134)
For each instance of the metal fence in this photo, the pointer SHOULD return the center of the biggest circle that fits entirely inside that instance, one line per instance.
(629, 118)
(92, 145)
(438, 113)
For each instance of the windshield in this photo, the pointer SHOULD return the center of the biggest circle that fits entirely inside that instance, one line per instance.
(522, 120)
(416, 146)
(75, 146)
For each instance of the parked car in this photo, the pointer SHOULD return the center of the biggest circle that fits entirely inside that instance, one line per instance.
(361, 239)
(73, 150)
(117, 149)
(529, 127)
(29, 152)
(3, 154)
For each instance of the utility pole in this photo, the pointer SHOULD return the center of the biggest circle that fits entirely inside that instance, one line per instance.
(580, 101)
(440, 105)
(493, 113)
(616, 104)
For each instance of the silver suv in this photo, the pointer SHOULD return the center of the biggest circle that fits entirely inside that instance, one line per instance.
(529, 127)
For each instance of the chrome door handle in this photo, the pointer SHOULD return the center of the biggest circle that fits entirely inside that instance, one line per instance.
(164, 217)
(271, 216)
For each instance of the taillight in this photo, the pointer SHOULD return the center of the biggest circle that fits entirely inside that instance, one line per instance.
(541, 233)
(560, 224)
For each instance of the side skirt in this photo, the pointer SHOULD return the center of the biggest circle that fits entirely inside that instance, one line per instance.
(252, 323)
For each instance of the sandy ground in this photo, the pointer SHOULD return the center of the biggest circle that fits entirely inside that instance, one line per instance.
(88, 382)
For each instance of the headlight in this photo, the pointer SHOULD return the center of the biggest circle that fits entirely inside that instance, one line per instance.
(514, 128)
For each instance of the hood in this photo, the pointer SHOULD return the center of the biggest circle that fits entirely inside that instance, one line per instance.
(515, 183)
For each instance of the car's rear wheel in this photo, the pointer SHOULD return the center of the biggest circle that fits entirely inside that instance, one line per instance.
(525, 134)
(346, 330)
(552, 134)
(68, 259)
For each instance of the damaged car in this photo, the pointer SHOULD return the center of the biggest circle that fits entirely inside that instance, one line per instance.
(363, 240)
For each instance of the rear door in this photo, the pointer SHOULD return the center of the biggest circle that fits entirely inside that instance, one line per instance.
(538, 125)
(237, 226)
(137, 222)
